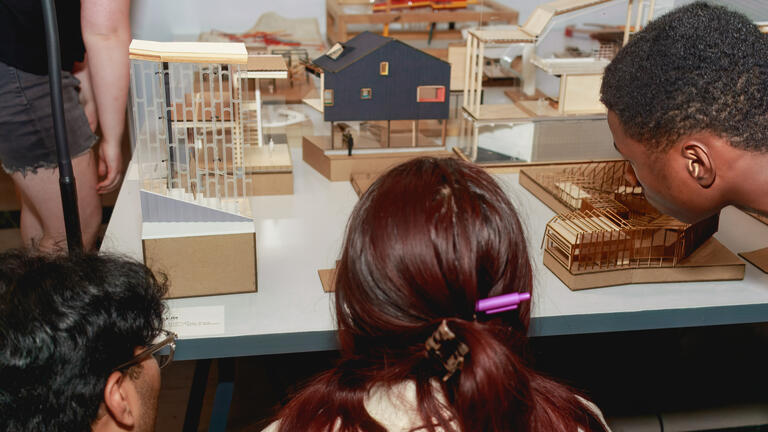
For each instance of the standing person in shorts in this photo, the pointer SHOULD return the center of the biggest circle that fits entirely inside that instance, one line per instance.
(95, 90)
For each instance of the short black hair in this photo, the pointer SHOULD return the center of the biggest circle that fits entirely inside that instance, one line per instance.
(65, 323)
(699, 68)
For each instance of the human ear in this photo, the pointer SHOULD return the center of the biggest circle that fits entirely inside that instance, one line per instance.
(699, 163)
(117, 400)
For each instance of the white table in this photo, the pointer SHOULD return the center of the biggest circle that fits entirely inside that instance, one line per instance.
(298, 234)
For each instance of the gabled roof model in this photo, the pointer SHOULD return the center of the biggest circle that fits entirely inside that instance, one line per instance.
(355, 49)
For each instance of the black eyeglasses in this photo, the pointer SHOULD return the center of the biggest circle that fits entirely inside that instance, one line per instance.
(162, 351)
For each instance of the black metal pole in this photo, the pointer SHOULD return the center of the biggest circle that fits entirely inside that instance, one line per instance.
(66, 174)
(169, 125)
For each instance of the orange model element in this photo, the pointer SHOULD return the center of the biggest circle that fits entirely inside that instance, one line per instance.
(383, 6)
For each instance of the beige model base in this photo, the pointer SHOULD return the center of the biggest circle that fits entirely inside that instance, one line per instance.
(270, 170)
(270, 184)
(230, 263)
(341, 167)
(758, 258)
(328, 279)
(711, 262)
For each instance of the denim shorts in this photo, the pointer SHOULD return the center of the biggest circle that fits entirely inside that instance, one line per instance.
(27, 140)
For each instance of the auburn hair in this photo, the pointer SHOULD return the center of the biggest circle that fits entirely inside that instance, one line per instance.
(423, 244)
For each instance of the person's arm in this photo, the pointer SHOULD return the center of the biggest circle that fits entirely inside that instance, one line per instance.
(107, 34)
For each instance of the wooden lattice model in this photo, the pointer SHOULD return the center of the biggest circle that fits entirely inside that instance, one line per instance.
(611, 225)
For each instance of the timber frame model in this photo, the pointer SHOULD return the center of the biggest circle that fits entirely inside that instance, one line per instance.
(343, 14)
(197, 123)
(606, 232)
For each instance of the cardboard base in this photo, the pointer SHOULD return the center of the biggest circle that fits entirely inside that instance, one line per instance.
(328, 279)
(758, 258)
(710, 262)
(341, 167)
(279, 183)
(230, 263)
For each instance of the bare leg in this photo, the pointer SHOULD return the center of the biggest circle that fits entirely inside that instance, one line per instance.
(42, 219)
(31, 228)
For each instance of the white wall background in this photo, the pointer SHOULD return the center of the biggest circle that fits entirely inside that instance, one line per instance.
(165, 20)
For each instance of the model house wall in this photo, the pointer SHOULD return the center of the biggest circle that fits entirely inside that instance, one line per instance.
(379, 78)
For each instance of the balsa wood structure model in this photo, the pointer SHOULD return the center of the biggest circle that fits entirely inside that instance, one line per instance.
(608, 234)
(197, 123)
(439, 22)
(580, 78)
(376, 81)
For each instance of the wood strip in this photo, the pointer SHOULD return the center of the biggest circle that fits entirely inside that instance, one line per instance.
(189, 52)
(758, 258)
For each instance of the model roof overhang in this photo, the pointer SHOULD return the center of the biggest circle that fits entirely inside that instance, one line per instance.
(357, 48)
(189, 52)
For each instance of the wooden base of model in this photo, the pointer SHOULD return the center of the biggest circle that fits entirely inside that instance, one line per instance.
(268, 171)
(758, 258)
(710, 262)
(271, 170)
(341, 167)
(233, 256)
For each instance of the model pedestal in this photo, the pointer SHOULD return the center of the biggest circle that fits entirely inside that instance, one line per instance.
(268, 171)
(229, 263)
(710, 262)
(336, 165)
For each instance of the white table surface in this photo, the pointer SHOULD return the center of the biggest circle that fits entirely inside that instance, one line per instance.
(298, 234)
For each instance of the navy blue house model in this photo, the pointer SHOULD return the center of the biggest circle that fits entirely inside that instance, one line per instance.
(371, 77)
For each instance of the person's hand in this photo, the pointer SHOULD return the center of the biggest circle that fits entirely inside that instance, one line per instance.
(110, 167)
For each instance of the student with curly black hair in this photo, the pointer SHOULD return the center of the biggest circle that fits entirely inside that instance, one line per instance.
(76, 343)
(687, 102)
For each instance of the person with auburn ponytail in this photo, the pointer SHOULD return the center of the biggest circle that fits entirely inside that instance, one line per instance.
(426, 242)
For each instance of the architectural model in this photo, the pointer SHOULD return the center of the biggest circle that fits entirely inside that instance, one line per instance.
(606, 226)
(580, 78)
(429, 25)
(197, 124)
(375, 81)
(296, 39)
(200, 153)
(578, 98)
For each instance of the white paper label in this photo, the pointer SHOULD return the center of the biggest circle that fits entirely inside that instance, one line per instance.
(196, 321)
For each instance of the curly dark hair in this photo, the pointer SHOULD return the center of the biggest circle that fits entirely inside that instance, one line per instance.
(65, 323)
(698, 68)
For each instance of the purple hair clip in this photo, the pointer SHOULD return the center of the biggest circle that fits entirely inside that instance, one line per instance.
(501, 303)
